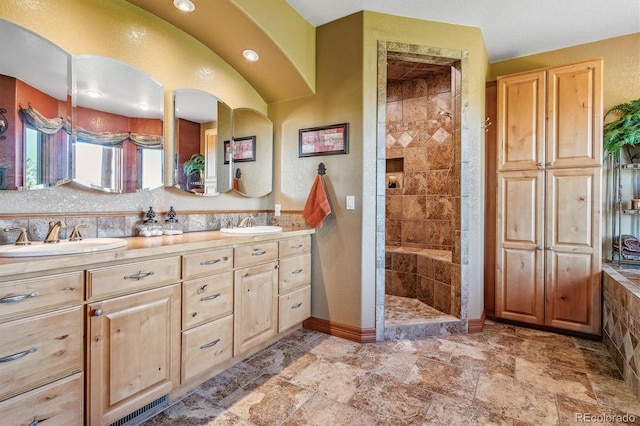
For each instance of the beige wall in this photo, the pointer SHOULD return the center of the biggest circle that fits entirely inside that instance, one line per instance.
(344, 262)
(119, 30)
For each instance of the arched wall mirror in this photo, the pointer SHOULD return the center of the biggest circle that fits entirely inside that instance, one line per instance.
(251, 161)
(35, 148)
(202, 122)
(118, 115)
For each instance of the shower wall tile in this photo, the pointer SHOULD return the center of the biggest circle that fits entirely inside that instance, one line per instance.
(415, 88)
(415, 183)
(414, 206)
(393, 207)
(394, 113)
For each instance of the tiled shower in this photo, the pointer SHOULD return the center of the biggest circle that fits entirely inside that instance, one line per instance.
(422, 256)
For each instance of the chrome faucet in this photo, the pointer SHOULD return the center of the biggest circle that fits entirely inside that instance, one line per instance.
(246, 222)
(54, 230)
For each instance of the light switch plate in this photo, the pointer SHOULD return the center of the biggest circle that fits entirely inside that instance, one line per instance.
(278, 209)
(351, 202)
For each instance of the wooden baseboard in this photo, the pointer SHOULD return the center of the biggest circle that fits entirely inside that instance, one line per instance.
(476, 325)
(355, 334)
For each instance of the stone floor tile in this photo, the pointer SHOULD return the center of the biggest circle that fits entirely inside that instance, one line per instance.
(450, 380)
(517, 400)
(335, 380)
(445, 411)
(575, 412)
(392, 402)
(614, 393)
(196, 410)
(554, 379)
(224, 384)
(267, 401)
(322, 411)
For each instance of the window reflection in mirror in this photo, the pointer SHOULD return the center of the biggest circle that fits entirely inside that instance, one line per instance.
(253, 174)
(34, 91)
(202, 122)
(118, 112)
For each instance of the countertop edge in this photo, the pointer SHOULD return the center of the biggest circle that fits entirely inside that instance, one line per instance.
(139, 248)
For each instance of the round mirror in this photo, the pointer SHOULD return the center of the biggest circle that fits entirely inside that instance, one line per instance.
(251, 154)
(118, 112)
(35, 150)
(202, 121)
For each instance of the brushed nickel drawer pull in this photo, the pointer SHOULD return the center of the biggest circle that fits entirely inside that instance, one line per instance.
(214, 296)
(258, 253)
(296, 306)
(297, 246)
(210, 345)
(18, 355)
(13, 299)
(213, 261)
(296, 272)
(140, 275)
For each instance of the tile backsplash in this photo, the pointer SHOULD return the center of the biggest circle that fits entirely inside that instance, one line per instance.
(123, 224)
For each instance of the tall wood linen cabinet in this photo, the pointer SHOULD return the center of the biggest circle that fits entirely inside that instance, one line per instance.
(548, 260)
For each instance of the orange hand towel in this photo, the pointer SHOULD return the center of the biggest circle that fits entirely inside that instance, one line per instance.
(317, 207)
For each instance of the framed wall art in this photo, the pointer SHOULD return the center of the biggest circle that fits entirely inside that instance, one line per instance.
(244, 149)
(324, 140)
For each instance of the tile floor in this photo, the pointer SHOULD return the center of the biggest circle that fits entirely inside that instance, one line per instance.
(505, 375)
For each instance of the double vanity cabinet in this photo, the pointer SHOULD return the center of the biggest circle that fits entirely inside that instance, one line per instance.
(97, 339)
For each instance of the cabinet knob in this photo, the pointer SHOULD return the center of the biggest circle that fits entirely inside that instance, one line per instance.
(540, 164)
(97, 312)
(540, 247)
(550, 248)
(550, 164)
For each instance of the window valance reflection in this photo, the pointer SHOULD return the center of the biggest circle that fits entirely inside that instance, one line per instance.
(118, 138)
(43, 124)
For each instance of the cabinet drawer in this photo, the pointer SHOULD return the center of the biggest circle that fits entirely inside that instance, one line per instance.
(132, 277)
(37, 294)
(209, 262)
(39, 350)
(59, 403)
(294, 308)
(256, 254)
(295, 272)
(206, 299)
(206, 346)
(294, 246)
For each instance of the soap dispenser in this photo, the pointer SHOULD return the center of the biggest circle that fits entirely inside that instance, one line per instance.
(171, 224)
(149, 227)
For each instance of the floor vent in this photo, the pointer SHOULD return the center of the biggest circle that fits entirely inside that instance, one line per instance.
(130, 419)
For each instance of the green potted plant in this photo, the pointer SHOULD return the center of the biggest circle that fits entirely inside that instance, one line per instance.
(193, 169)
(195, 164)
(623, 132)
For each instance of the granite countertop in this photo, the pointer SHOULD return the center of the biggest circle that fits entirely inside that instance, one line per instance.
(141, 247)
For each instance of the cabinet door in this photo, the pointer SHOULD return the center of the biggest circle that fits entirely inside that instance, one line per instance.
(133, 353)
(574, 249)
(574, 110)
(519, 260)
(521, 121)
(256, 306)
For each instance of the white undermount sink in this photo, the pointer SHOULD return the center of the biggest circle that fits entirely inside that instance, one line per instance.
(64, 247)
(252, 230)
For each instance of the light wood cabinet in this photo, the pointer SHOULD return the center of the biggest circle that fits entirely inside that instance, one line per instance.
(134, 352)
(112, 338)
(256, 306)
(548, 257)
(59, 403)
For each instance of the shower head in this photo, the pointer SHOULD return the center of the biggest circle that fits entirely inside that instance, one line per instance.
(445, 114)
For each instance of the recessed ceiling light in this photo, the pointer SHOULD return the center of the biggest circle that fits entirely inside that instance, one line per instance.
(184, 5)
(143, 107)
(93, 93)
(250, 55)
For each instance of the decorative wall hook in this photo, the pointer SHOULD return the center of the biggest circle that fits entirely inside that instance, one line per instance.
(487, 123)
(322, 169)
(4, 123)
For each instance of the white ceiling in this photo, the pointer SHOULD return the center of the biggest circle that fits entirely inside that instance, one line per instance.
(511, 28)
